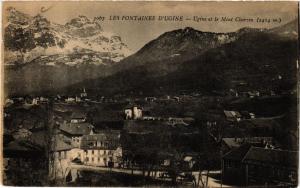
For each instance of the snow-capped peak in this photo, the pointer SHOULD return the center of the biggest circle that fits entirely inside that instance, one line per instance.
(80, 36)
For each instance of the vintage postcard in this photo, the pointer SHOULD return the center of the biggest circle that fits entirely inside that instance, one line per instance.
(134, 94)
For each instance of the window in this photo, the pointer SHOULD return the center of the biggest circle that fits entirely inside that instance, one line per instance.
(56, 154)
(87, 159)
(92, 159)
(92, 152)
(104, 152)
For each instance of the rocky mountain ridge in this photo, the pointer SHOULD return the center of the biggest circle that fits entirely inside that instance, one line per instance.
(78, 36)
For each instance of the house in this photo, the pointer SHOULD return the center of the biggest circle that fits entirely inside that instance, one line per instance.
(150, 118)
(77, 99)
(232, 143)
(271, 167)
(61, 155)
(190, 161)
(35, 101)
(70, 100)
(133, 112)
(177, 99)
(78, 117)
(60, 148)
(233, 92)
(176, 121)
(233, 170)
(247, 115)
(252, 94)
(150, 99)
(102, 149)
(233, 116)
(31, 100)
(75, 131)
(44, 100)
(251, 165)
(8, 102)
(259, 127)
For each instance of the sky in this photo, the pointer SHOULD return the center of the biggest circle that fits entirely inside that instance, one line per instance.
(137, 33)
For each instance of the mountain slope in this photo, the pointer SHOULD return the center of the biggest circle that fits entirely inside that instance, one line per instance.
(79, 35)
(256, 60)
(41, 56)
(288, 30)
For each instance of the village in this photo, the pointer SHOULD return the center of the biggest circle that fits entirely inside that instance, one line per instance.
(189, 139)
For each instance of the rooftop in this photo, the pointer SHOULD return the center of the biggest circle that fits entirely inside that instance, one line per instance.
(105, 140)
(232, 114)
(78, 115)
(237, 154)
(272, 156)
(231, 142)
(236, 142)
(83, 128)
(102, 136)
(59, 145)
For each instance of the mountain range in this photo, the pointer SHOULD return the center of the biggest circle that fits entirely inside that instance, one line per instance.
(41, 55)
(52, 43)
(183, 59)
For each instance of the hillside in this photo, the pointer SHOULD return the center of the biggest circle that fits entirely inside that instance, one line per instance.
(256, 60)
(183, 59)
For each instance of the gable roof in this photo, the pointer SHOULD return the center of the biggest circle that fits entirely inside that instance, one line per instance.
(232, 114)
(259, 122)
(102, 136)
(108, 140)
(272, 156)
(59, 145)
(236, 142)
(83, 128)
(231, 142)
(237, 153)
(78, 115)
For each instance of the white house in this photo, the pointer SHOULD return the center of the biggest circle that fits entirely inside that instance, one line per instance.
(102, 149)
(75, 131)
(83, 94)
(133, 112)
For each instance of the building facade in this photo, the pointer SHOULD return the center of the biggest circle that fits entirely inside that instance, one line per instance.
(102, 149)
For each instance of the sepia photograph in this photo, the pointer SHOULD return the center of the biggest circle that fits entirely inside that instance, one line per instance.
(150, 94)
